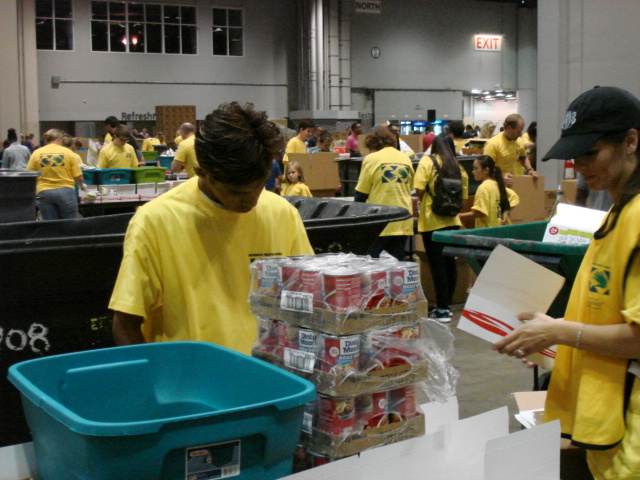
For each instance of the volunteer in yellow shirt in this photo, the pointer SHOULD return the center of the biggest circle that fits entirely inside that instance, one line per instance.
(185, 158)
(443, 268)
(508, 152)
(298, 143)
(118, 154)
(148, 143)
(594, 389)
(386, 178)
(55, 190)
(185, 270)
(293, 183)
(492, 202)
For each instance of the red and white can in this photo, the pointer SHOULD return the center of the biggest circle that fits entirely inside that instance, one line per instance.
(405, 283)
(336, 415)
(290, 274)
(372, 409)
(310, 281)
(267, 334)
(287, 337)
(341, 353)
(403, 404)
(269, 273)
(376, 292)
(311, 341)
(342, 289)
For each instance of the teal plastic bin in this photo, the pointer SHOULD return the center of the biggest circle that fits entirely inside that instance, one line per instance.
(476, 245)
(174, 410)
(113, 176)
(90, 177)
(165, 161)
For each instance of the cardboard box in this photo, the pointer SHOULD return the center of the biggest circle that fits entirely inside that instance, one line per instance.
(338, 323)
(465, 281)
(532, 199)
(339, 446)
(414, 141)
(573, 225)
(549, 201)
(320, 170)
(570, 190)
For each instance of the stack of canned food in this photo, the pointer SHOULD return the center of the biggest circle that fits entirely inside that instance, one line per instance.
(366, 378)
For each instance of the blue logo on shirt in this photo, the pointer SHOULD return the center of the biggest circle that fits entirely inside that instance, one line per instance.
(599, 282)
(394, 174)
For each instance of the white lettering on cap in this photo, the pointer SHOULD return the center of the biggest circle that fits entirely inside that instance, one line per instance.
(569, 120)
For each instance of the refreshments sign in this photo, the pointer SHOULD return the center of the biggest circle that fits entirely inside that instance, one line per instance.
(490, 43)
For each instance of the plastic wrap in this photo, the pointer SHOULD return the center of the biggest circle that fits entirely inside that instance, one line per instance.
(338, 294)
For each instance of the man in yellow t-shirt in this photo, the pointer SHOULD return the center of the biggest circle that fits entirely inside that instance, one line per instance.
(118, 154)
(149, 142)
(185, 158)
(298, 143)
(185, 269)
(507, 152)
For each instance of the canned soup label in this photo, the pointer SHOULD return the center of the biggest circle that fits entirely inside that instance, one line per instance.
(296, 301)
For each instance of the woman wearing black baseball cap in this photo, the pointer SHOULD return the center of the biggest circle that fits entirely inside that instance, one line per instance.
(599, 338)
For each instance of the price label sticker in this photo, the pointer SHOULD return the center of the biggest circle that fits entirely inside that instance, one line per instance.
(296, 301)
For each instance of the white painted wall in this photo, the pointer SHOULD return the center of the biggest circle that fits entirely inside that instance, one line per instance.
(202, 80)
(581, 43)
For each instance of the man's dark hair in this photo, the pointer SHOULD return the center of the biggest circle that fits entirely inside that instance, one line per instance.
(111, 121)
(305, 123)
(237, 145)
(512, 120)
(353, 125)
(12, 136)
(456, 128)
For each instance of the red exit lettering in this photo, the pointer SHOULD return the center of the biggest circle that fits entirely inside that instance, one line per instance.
(484, 42)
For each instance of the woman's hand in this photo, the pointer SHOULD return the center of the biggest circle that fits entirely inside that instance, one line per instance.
(537, 333)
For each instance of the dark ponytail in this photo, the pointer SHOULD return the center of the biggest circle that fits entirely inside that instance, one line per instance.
(443, 146)
(495, 173)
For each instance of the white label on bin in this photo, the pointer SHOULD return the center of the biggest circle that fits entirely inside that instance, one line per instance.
(208, 462)
(296, 301)
(299, 360)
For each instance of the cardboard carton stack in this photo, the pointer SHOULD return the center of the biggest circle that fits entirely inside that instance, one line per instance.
(354, 327)
(170, 117)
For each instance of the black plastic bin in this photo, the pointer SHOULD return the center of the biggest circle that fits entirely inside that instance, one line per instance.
(335, 225)
(55, 286)
(476, 245)
(57, 278)
(18, 195)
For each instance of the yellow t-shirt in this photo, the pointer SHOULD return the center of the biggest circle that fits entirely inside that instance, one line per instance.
(108, 138)
(112, 156)
(487, 202)
(58, 164)
(177, 140)
(186, 154)
(295, 145)
(147, 144)
(587, 390)
(505, 153)
(460, 143)
(186, 262)
(426, 177)
(387, 177)
(293, 189)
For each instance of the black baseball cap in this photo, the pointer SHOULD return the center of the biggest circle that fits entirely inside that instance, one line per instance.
(592, 115)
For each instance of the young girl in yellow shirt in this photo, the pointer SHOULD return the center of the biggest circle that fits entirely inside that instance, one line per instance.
(294, 181)
(493, 200)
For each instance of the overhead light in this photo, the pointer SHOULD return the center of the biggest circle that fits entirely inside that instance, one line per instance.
(475, 90)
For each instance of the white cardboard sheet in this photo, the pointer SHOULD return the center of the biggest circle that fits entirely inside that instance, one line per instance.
(509, 284)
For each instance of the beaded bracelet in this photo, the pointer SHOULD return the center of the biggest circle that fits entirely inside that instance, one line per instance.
(579, 337)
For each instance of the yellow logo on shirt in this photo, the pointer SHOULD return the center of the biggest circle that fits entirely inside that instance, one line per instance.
(394, 174)
(599, 282)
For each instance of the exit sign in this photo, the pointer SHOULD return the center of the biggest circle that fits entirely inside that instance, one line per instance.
(488, 43)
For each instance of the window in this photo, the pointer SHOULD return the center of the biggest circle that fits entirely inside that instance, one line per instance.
(130, 27)
(227, 32)
(54, 25)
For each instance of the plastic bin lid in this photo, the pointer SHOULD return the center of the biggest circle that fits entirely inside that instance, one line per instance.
(6, 172)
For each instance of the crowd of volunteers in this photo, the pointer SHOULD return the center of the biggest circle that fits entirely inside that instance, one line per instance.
(186, 254)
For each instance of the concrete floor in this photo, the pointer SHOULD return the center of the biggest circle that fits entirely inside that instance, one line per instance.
(487, 379)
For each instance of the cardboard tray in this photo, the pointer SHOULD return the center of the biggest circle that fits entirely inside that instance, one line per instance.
(339, 446)
(336, 323)
(355, 383)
